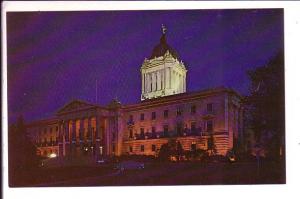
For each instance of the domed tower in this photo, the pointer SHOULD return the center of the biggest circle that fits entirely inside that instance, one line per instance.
(163, 73)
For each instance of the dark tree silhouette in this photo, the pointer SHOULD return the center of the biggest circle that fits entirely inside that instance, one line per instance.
(266, 105)
(211, 144)
(22, 152)
(172, 148)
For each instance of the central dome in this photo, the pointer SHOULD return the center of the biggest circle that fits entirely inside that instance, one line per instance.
(161, 49)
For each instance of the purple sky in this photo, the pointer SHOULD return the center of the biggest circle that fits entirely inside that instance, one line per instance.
(54, 57)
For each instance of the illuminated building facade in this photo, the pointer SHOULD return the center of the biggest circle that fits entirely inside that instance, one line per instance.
(166, 111)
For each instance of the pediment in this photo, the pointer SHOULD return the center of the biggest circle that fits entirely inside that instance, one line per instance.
(76, 105)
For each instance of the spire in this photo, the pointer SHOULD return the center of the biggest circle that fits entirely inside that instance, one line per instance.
(163, 39)
(161, 48)
(163, 29)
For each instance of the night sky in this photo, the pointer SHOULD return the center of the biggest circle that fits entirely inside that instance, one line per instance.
(55, 57)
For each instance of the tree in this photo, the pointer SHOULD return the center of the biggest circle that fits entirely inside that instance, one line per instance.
(211, 144)
(171, 148)
(266, 105)
(22, 152)
(164, 152)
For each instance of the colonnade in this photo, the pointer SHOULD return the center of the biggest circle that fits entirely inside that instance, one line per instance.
(163, 79)
(80, 135)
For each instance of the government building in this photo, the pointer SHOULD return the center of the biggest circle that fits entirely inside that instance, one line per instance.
(166, 110)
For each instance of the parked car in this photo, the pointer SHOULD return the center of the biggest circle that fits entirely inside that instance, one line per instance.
(129, 165)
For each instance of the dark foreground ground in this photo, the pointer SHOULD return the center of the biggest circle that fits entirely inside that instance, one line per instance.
(185, 173)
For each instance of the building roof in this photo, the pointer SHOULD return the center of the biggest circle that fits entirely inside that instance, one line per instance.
(181, 98)
(161, 48)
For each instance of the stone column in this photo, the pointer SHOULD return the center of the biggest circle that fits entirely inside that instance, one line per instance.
(162, 72)
(169, 80)
(81, 134)
(107, 135)
(153, 81)
(147, 82)
(158, 76)
(67, 138)
(143, 83)
(241, 123)
(97, 143)
(60, 140)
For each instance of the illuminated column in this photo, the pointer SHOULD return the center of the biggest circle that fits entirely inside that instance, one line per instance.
(97, 144)
(143, 82)
(158, 76)
(162, 79)
(67, 138)
(81, 132)
(184, 83)
(148, 82)
(167, 71)
(89, 140)
(60, 140)
(107, 128)
(153, 81)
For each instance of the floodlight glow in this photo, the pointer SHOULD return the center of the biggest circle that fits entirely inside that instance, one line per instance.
(52, 155)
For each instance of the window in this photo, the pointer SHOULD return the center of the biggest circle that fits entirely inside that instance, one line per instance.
(113, 136)
(179, 111)
(153, 129)
(130, 149)
(56, 128)
(51, 130)
(166, 129)
(209, 108)
(193, 109)
(142, 148)
(130, 118)
(142, 116)
(166, 113)
(130, 133)
(209, 126)
(153, 147)
(142, 132)
(45, 130)
(153, 115)
(193, 127)
(193, 146)
(179, 128)
(113, 148)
